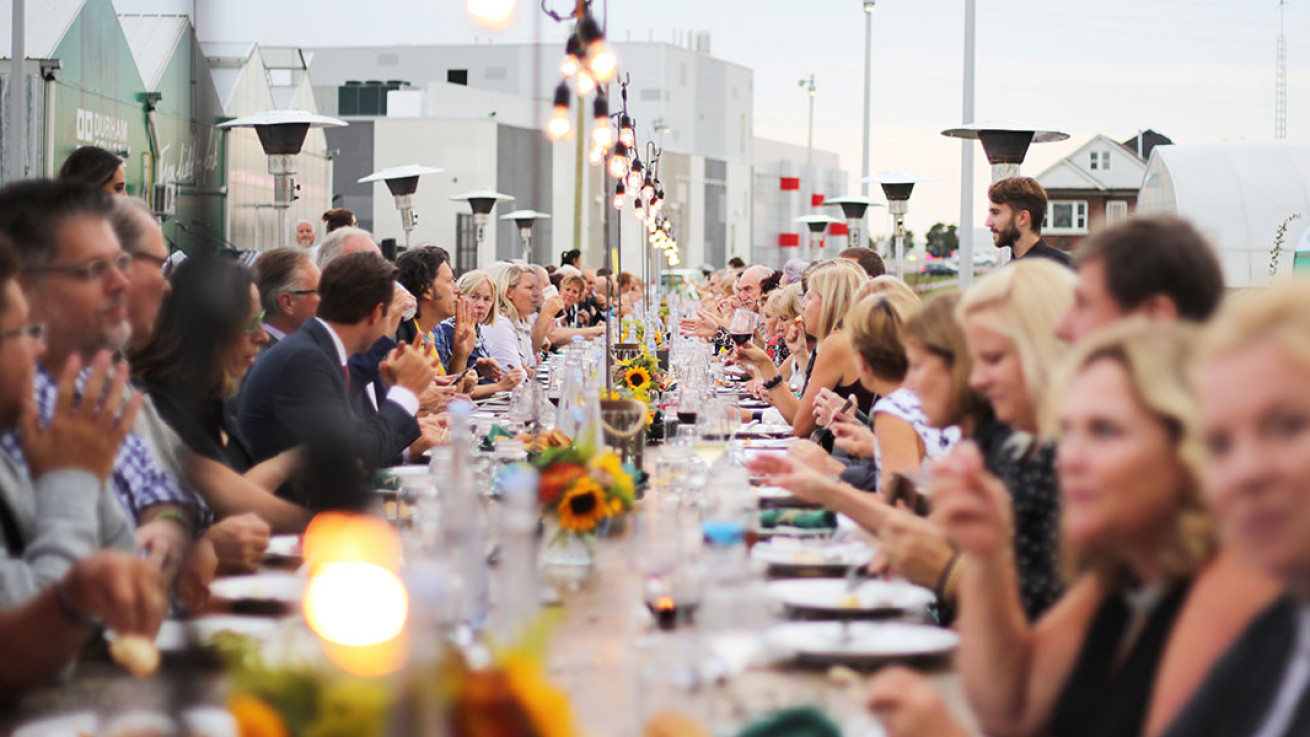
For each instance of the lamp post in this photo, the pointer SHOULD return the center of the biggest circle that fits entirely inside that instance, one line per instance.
(402, 181)
(1005, 142)
(868, 77)
(525, 219)
(897, 187)
(854, 208)
(482, 201)
(282, 135)
(808, 85)
(817, 224)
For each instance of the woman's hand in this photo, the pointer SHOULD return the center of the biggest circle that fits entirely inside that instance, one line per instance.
(814, 457)
(854, 438)
(971, 505)
(829, 408)
(909, 705)
(759, 361)
(510, 380)
(912, 547)
(780, 470)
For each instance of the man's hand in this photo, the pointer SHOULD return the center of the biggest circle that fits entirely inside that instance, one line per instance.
(466, 331)
(83, 432)
(435, 397)
(467, 384)
(488, 369)
(432, 432)
(123, 591)
(401, 300)
(163, 542)
(552, 307)
(198, 570)
(411, 367)
(240, 542)
(704, 325)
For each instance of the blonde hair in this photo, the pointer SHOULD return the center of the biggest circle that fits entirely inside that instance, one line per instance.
(902, 297)
(1022, 302)
(836, 281)
(471, 282)
(935, 328)
(875, 328)
(1155, 356)
(509, 277)
(785, 303)
(1279, 313)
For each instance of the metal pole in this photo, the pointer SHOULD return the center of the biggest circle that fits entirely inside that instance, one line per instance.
(868, 79)
(17, 128)
(967, 152)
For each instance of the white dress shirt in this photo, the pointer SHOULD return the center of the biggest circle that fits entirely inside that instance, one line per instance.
(1293, 685)
(398, 394)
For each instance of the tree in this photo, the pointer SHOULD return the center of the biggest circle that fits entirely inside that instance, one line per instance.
(942, 239)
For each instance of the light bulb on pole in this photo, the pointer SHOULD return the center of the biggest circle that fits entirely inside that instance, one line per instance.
(481, 202)
(402, 182)
(817, 224)
(525, 219)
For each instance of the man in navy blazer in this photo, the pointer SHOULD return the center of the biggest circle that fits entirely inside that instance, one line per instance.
(297, 393)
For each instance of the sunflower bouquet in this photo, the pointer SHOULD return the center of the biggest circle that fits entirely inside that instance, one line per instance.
(580, 491)
(639, 377)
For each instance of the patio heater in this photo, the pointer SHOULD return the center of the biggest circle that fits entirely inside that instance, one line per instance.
(402, 181)
(853, 207)
(525, 219)
(482, 201)
(816, 224)
(282, 135)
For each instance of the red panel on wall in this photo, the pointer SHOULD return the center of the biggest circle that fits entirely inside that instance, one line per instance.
(790, 184)
(838, 229)
(789, 240)
(816, 200)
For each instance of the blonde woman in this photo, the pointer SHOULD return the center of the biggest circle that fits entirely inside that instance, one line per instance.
(1150, 604)
(829, 290)
(478, 288)
(509, 336)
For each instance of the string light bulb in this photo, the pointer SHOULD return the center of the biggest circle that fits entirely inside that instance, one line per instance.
(635, 175)
(602, 136)
(648, 189)
(559, 126)
(619, 161)
(572, 58)
(619, 195)
(627, 135)
(586, 83)
(495, 14)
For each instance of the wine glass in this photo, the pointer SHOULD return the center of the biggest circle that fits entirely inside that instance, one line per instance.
(742, 326)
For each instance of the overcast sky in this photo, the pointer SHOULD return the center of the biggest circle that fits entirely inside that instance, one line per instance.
(1195, 70)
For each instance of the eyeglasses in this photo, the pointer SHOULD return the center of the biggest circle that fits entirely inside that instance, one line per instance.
(255, 323)
(35, 332)
(91, 270)
(157, 261)
(301, 292)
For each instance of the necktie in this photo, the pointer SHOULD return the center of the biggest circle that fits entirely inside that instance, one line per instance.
(345, 372)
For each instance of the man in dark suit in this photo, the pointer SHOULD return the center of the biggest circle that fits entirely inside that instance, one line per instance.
(298, 393)
(288, 291)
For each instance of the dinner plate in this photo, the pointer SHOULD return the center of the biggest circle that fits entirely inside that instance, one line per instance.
(769, 443)
(789, 553)
(846, 642)
(172, 635)
(286, 588)
(762, 429)
(203, 721)
(830, 595)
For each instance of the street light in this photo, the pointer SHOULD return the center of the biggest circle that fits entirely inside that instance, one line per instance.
(808, 85)
(897, 187)
(868, 76)
(817, 224)
(853, 208)
(402, 181)
(1005, 142)
(482, 201)
(525, 219)
(282, 135)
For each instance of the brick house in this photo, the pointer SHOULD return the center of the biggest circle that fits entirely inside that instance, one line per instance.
(1094, 187)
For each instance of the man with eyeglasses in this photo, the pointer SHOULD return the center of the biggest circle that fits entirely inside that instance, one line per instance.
(288, 290)
(74, 275)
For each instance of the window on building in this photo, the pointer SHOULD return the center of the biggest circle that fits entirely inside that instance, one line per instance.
(1105, 160)
(457, 76)
(466, 243)
(1065, 217)
(1116, 211)
(366, 98)
(1096, 159)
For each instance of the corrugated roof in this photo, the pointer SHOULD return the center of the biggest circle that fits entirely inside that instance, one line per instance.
(47, 22)
(153, 39)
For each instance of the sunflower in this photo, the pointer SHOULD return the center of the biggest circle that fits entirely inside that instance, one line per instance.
(637, 378)
(583, 507)
(556, 479)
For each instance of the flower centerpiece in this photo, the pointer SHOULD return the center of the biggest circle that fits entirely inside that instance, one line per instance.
(579, 492)
(640, 378)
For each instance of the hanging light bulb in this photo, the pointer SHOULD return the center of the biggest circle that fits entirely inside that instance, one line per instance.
(636, 210)
(597, 154)
(619, 161)
(586, 83)
(559, 126)
(634, 176)
(619, 193)
(602, 136)
(497, 14)
(602, 62)
(572, 58)
(648, 189)
(626, 134)
(656, 204)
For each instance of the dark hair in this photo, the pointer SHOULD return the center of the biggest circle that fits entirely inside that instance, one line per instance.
(354, 284)
(602, 271)
(129, 218)
(8, 269)
(417, 268)
(275, 273)
(736, 263)
(208, 307)
(875, 330)
(90, 165)
(1021, 194)
(1158, 255)
(571, 258)
(33, 210)
(867, 258)
(338, 218)
(770, 282)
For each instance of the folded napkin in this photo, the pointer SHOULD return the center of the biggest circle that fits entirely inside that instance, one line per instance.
(804, 721)
(821, 519)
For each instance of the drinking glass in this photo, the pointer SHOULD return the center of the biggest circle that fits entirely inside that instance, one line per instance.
(742, 326)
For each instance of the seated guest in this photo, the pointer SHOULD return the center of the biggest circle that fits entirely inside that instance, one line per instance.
(591, 310)
(867, 258)
(1155, 266)
(338, 219)
(571, 258)
(425, 273)
(571, 289)
(298, 391)
(1255, 422)
(96, 167)
(1147, 584)
(344, 241)
(510, 337)
(478, 291)
(288, 291)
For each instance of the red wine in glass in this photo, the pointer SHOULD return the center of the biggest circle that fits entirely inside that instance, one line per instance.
(740, 338)
(686, 418)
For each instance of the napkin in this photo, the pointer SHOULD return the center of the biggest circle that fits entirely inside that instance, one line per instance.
(804, 721)
(821, 519)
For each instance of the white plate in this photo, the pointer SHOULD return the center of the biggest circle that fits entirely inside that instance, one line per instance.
(205, 721)
(284, 546)
(769, 443)
(830, 595)
(839, 642)
(262, 629)
(764, 429)
(773, 493)
(788, 553)
(409, 470)
(282, 587)
(68, 725)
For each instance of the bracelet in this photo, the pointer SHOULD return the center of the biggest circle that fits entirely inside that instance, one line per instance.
(75, 617)
(946, 582)
(177, 516)
(772, 384)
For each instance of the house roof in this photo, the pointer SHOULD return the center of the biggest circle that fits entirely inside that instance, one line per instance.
(153, 39)
(227, 64)
(1074, 171)
(46, 23)
(1150, 139)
